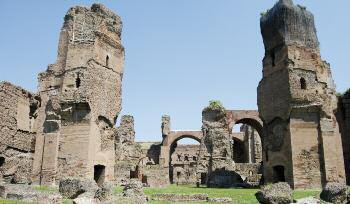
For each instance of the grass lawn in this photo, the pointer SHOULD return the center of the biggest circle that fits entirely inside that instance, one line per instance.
(9, 201)
(239, 196)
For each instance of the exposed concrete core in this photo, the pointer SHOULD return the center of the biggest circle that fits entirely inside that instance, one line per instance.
(296, 100)
(183, 166)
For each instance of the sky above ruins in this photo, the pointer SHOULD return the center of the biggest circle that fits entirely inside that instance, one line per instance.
(179, 54)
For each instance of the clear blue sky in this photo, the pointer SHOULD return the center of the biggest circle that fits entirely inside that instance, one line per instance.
(179, 54)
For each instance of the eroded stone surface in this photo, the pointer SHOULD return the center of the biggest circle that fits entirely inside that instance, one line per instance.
(18, 114)
(72, 187)
(334, 193)
(279, 193)
(134, 191)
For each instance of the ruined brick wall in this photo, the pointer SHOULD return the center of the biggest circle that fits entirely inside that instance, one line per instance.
(215, 156)
(154, 176)
(127, 153)
(150, 172)
(17, 133)
(184, 164)
(296, 100)
(150, 152)
(81, 98)
(250, 174)
(166, 125)
(343, 117)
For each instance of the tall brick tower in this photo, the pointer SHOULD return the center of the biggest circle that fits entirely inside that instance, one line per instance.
(81, 99)
(296, 100)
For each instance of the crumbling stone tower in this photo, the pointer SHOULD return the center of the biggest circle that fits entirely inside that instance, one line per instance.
(296, 100)
(215, 163)
(81, 99)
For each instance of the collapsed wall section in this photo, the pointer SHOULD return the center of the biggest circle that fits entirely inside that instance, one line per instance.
(17, 133)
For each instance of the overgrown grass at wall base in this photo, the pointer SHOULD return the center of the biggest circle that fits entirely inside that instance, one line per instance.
(239, 196)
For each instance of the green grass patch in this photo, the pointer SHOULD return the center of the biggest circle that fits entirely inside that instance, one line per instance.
(118, 189)
(46, 188)
(67, 201)
(297, 194)
(10, 201)
(242, 196)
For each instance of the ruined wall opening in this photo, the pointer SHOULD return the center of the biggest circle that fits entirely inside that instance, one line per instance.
(107, 61)
(273, 58)
(278, 174)
(99, 174)
(144, 179)
(78, 113)
(2, 161)
(77, 81)
(303, 83)
(239, 153)
(203, 178)
(133, 174)
(246, 142)
(183, 160)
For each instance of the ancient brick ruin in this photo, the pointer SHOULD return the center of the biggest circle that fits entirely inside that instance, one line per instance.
(297, 101)
(67, 129)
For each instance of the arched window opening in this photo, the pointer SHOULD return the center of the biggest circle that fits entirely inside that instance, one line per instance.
(107, 61)
(278, 174)
(302, 83)
(77, 82)
(273, 58)
(186, 158)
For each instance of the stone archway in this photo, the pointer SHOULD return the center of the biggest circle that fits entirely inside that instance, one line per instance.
(168, 147)
(252, 119)
(172, 138)
(248, 117)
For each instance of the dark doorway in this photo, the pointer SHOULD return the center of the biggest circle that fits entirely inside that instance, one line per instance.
(107, 61)
(144, 179)
(302, 83)
(77, 82)
(133, 174)
(203, 178)
(278, 174)
(99, 174)
(2, 161)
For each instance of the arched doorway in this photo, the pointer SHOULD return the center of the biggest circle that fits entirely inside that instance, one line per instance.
(183, 158)
(247, 143)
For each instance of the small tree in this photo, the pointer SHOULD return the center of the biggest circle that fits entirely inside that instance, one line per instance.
(215, 105)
